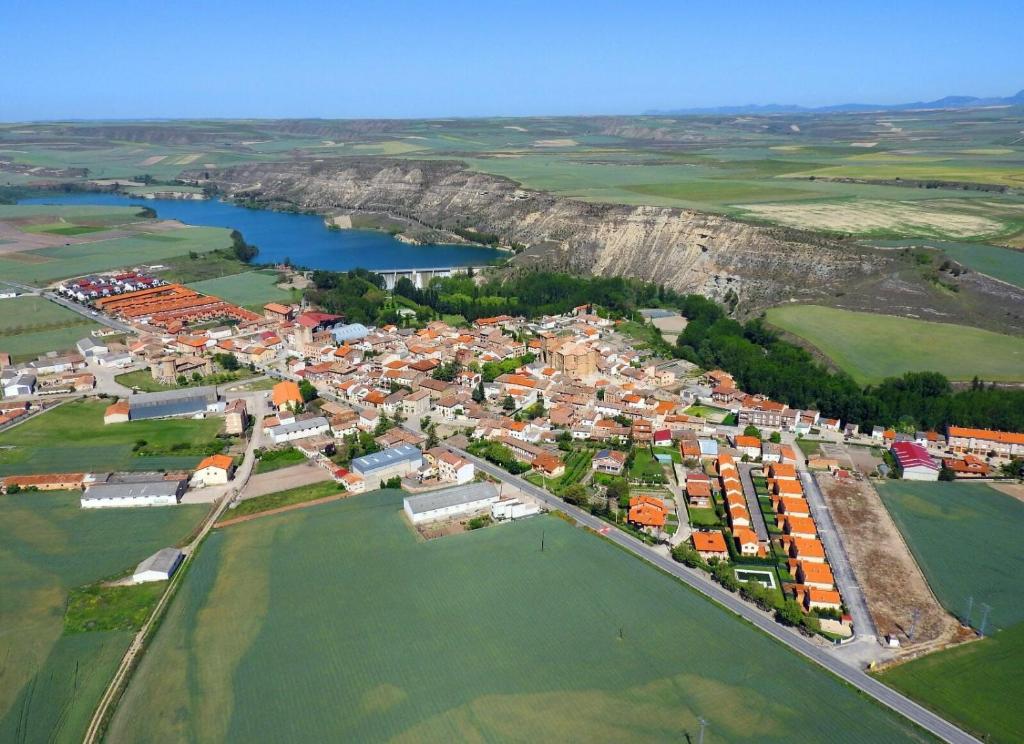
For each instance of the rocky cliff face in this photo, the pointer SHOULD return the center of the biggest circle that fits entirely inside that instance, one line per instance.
(685, 250)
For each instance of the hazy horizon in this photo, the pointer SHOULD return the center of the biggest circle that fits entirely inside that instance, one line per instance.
(459, 60)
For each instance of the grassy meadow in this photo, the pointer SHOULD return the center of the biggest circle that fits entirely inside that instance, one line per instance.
(30, 326)
(73, 438)
(248, 288)
(337, 623)
(977, 685)
(965, 537)
(871, 347)
(50, 679)
(104, 238)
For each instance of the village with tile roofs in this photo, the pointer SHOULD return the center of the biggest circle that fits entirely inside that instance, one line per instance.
(681, 458)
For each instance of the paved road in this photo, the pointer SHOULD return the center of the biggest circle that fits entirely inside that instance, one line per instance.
(753, 505)
(702, 583)
(846, 581)
(257, 405)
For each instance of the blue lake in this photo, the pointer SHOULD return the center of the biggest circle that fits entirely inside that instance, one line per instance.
(303, 238)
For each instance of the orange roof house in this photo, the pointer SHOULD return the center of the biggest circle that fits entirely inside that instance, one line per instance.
(647, 511)
(116, 413)
(710, 544)
(781, 471)
(222, 462)
(787, 488)
(814, 574)
(548, 464)
(806, 550)
(286, 395)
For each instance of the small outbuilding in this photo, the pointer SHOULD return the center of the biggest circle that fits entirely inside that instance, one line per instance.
(158, 567)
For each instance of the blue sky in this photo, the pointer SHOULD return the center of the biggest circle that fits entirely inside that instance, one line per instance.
(226, 58)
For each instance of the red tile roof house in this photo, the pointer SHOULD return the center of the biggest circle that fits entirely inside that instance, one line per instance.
(710, 545)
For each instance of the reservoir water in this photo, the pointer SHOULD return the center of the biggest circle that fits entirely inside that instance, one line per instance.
(302, 238)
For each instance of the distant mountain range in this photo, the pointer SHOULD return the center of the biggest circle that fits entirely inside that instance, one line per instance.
(949, 102)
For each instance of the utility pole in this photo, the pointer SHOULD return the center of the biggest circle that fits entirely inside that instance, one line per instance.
(985, 609)
(970, 609)
(542, 541)
(915, 616)
(703, 725)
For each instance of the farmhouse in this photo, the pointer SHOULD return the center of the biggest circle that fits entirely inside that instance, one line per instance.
(381, 466)
(117, 413)
(450, 502)
(214, 470)
(158, 567)
(50, 482)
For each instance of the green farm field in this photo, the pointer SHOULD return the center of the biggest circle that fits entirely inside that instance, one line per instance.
(73, 438)
(30, 326)
(871, 347)
(955, 531)
(248, 288)
(49, 264)
(50, 680)
(977, 685)
(337, 623)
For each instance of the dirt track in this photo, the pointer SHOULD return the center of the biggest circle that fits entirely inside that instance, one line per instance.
(281, 509)
(890, 578)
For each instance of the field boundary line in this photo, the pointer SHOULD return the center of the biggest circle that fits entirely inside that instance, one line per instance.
(281, 509)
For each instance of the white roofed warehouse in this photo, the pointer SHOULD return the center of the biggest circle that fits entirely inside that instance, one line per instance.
(450, 502)
(158, 567)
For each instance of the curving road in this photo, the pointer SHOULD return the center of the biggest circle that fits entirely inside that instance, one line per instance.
(700, 581)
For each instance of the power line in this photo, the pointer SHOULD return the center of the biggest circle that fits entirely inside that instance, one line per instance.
(985, 609)
(703, 725)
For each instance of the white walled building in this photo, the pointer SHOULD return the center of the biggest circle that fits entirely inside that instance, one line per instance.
(450, 502)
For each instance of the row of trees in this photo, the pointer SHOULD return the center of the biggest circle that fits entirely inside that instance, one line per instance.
(762, 362)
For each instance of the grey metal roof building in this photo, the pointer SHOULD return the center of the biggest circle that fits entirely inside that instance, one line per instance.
(350, 332)
(450, 502)
(161, 565)
(171, 402)
(386, 458)
(132, 493)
